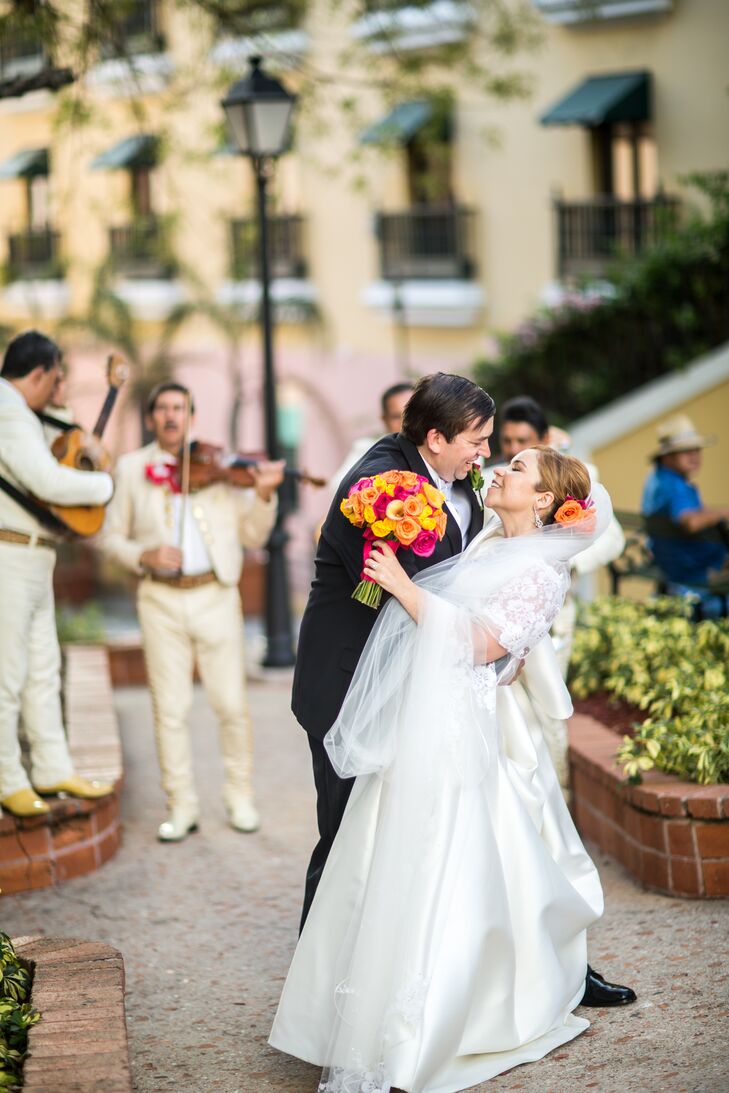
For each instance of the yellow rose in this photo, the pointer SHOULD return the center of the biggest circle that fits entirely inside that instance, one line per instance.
(428, 523)
(382, 528)
(369, 514)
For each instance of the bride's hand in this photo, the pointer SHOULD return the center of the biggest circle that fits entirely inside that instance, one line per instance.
(383, 567)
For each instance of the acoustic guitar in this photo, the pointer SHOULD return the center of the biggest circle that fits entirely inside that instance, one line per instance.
(81, 450)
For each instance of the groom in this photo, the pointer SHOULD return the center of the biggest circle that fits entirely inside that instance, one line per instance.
(446, 428)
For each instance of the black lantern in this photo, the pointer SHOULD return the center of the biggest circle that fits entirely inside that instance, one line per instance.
(259, 110)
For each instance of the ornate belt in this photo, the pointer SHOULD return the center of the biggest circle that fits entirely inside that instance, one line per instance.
(184, 580)
(24, 539)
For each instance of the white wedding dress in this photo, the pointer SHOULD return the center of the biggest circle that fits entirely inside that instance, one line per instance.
(446, 942)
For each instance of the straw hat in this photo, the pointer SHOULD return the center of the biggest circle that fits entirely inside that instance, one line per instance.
(678, 434)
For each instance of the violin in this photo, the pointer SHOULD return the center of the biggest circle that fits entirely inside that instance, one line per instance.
(210, 463)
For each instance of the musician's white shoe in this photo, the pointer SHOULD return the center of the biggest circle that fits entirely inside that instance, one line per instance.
(243, 815)
(180, 823)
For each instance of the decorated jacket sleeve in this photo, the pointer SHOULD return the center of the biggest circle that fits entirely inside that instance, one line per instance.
(24, 452)
(117, 536)
(255, 518)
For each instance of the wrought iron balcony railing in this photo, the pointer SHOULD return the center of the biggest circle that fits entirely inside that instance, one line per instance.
(140, 249)
(426, 243)
(591, 234)
(285, 245)
(34, 253)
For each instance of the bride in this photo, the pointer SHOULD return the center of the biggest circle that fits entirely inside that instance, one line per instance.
(446, 942)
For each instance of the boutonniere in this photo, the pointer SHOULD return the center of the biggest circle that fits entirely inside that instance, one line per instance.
(477, 483)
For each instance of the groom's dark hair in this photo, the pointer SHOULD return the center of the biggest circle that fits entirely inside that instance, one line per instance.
(447, 403)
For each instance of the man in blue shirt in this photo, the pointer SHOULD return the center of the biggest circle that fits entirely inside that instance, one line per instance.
(668, 491)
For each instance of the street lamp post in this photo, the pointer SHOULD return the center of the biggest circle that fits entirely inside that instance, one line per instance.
(258, 109)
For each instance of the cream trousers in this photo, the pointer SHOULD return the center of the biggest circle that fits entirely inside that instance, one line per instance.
(30, 670)
(181, 627)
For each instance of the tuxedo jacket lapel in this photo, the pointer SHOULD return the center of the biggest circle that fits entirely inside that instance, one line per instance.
(477, 516)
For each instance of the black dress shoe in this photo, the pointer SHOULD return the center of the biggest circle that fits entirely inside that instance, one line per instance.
(598, 992)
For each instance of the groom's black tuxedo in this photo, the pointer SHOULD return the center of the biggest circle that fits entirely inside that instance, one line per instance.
(335, 628)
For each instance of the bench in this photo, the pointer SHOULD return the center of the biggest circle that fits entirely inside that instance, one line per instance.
(636, 561)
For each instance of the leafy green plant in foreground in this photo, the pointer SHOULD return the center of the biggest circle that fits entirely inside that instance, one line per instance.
(16, 1014)
(654, 657)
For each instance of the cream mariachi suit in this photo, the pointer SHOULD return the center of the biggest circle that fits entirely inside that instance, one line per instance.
(203, 624)
(30, 658)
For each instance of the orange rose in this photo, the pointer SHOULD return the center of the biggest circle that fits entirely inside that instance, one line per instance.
(408, 480)
(369, 495)
(413, 506)
(391, 477)
(435, 497)
(347, 509)
(441, 520)
(407, 530)
(571, 512)
(357, 506)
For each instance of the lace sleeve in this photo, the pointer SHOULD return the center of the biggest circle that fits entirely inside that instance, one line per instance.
(521, 612)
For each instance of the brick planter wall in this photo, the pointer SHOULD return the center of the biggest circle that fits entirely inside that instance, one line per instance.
(80, 1043)
(672, 835)
(75, 837)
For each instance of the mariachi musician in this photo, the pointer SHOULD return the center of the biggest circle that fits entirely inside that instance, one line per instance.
(187, 550)
(30, 658)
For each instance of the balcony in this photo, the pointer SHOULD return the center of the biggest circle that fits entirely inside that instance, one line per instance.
(141, 249)
(592, 234)
(34, 255)
(426, 243)
(285, 248)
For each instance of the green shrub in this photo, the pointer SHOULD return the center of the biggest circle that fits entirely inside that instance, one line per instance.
(664, 309)
(16, 1015)
(85, 627)
(654, 657)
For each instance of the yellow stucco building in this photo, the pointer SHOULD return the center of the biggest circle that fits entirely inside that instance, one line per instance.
(448, 239)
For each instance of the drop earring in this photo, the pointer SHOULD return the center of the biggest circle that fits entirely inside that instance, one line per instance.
(538, 522)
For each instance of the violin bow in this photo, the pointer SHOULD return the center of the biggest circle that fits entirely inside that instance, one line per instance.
(185, 477)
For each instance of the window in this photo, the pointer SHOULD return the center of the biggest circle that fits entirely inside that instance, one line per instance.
(625, 161)
(260, 17)
(21, 50)
(133, 28)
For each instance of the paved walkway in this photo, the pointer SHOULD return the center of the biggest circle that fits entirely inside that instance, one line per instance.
(207, 928)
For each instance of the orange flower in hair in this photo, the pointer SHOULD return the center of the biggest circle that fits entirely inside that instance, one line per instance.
(574, 511)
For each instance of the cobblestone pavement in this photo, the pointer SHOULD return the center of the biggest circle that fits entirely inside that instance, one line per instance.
(207, 928)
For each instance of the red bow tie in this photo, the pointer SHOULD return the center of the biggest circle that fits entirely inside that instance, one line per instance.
(163, 474)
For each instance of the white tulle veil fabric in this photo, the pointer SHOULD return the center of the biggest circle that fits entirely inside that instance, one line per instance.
(421, 716)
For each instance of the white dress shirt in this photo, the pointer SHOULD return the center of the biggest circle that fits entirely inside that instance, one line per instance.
(456, 501)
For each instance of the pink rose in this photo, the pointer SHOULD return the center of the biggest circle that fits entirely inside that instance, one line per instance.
(401, 493)
(424, 545)
(380, 505)
(361, 485)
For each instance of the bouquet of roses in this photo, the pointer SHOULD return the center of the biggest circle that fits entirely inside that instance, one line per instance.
(401, 507)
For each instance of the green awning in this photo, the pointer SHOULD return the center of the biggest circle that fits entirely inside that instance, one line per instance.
(26, 164)
(625, 96)
(400, 125)
(139, 151)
